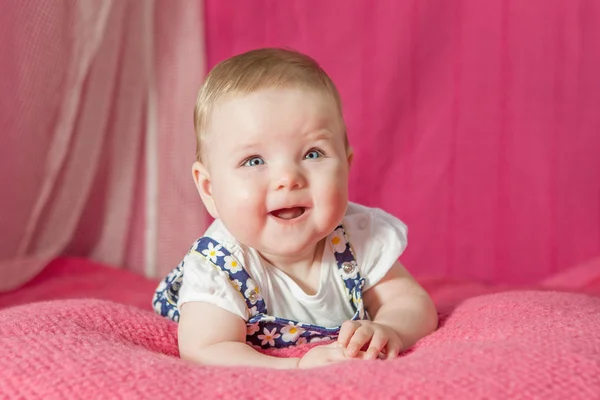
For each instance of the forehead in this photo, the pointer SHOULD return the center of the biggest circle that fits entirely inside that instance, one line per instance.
(282, 110)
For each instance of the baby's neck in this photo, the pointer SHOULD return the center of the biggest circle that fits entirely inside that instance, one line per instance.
(303, 268)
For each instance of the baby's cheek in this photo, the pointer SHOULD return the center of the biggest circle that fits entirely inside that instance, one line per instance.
(333, 201)
(243, 193)
(237, 204)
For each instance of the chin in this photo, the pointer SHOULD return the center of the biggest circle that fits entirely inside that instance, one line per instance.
(290, 246)
(288, 249)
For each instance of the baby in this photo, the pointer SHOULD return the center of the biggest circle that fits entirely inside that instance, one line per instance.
(288, 259)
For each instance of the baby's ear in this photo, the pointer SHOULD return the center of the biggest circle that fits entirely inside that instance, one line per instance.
(202, 180)
(349, 156)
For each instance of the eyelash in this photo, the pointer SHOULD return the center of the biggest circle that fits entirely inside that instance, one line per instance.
(319, 152)
(246, 162)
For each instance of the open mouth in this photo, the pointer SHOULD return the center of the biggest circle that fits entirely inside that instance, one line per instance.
(288, 213)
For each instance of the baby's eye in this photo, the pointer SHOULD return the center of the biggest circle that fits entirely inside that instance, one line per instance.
(253, 162)
(313, 154)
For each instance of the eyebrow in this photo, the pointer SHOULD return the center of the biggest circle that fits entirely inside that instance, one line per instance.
(248, 146)
(245, 149)
(320, 134)
(314, 135)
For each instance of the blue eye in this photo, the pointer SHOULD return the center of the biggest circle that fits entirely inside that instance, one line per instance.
(253, 162)
(313, 155)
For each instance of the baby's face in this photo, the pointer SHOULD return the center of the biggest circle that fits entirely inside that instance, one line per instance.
(278, 167)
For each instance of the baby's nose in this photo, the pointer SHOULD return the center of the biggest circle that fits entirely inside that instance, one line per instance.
(289, 178)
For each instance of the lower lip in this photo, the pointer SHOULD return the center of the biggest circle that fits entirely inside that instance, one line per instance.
(293, 220)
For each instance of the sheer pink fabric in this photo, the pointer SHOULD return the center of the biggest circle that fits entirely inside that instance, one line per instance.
(96, 133)
(476, 122)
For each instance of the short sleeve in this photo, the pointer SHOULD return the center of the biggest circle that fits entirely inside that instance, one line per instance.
(203, 282)
(378, 240)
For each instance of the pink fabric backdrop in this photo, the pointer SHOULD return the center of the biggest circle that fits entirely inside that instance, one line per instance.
(96, 138)
(476, 122)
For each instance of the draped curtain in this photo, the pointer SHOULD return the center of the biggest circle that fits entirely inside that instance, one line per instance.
(96, 132)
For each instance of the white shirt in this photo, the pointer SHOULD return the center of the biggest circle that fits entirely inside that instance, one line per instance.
(378, 239)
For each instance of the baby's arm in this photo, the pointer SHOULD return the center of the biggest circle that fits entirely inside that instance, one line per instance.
(401, 304)
(399, 307)
(210, 335)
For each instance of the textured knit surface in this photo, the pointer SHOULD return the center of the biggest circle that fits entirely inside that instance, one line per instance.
(516, 344)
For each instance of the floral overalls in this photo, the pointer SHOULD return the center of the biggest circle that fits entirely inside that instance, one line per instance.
(263, 330)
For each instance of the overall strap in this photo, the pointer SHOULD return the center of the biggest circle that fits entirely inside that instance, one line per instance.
(222, 259)
(348, 267)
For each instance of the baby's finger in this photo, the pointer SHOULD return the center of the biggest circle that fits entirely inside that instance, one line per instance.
(378, 342)
(393, 349)
(346, 331)
(359, 339)
(362, 355)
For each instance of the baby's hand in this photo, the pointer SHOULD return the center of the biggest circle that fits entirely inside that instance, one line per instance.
(325, 355)
(354, 335)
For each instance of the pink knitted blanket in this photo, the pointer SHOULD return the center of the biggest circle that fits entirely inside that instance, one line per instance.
(512, 344)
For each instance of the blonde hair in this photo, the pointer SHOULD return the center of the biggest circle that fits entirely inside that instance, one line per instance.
(255, 70)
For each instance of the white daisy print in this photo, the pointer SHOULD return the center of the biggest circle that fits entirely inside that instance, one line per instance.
(253, 311)
(212, 252)
(349, 270)
(338, 242)
(232, 264)
(158, 307)
(318, 339)
(269, 337)
(162, 285)
(361, 313)
(290, 333)
(171, 314)
(252, 329)
(252, 292)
